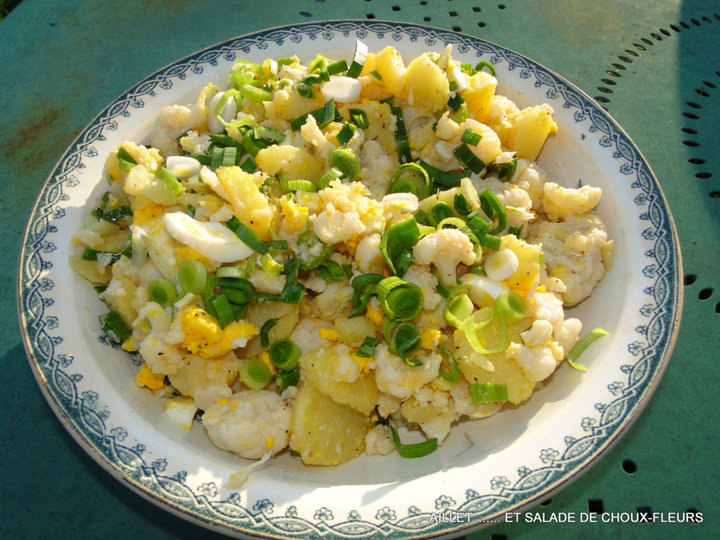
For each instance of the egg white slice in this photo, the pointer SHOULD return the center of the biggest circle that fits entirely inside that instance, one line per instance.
(212, 240)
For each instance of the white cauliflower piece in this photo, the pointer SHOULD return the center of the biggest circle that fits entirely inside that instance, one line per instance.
(250, 423)
(378, 167)
(195, 143)
(306, 334)
(334, 302)
(368, 256)
(538, 362)
(379, 441)
(347, 213)
(387, 404)
(395, 377)
(424, 278)
(266, 282)
(446, 128)
(445, 249)
(171, 122)
(399, 207)
(561, 203)
(312, 134)
(577, 252)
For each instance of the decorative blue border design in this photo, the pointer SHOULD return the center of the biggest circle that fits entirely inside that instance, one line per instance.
(646, 360)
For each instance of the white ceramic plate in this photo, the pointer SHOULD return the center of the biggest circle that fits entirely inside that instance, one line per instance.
(510, 461)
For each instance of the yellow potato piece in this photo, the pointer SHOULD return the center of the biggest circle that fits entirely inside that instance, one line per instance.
(507, 371)
(426, 86)
(530, 128)
(529, 256)
(319, 367)
(250, 205)
(389, 64)
(294, 162)
(199, 373)
(480, 90)
(324, 432)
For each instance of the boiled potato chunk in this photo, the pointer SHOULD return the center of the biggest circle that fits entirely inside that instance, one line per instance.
(294, 162)
(324, 432)
(507, 371)
(480, 90)
(426, 85)
(199, 373)
(530, 128)
(529, 256)
(389, 64)
(330, 370)
(259, 313)
(249, 204)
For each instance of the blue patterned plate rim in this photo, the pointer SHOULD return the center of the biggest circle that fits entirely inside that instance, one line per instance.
(646, 355)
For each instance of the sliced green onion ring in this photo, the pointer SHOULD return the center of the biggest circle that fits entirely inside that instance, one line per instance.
(162, 291)
(332, 174)
(297, 185)
(410, 178)
(284, 354)
(470, 137)
(468, 159)
(364, 286)
(493, 208)
(346, 133)
(255, 374)
(415, 450)
(113, 324)
(396, 245)
(247, 235)
(192, 276)
(367, 348)
(285, 379)
(485, 64)
(403, 339)
(584, 343)
(400, 300)
(401, 137)
(359, 117)
(438, 212)
(488, 393)
(265, 331)
(346, 161)
(171, 181)
(441, 177)
(453, 374)
(358, 61)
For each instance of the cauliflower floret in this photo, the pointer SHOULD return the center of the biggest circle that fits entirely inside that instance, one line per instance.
(561, 203)
(347, 213)
(577, 252)
(399, 207)
(334, 301)
(424, 278)
(445, 249)
(395, 377)
(159, 348)
(195, 143)
(172, 121)
(446, 128)
(433, 410)
(312, 134)
(368, 256)
(266, 282)
(306, 334)
(249, 424)
(538, 363)
(379, 441)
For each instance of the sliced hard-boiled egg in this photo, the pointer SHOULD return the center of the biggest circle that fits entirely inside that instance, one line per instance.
(481, 288)
(227, 112)
(501, 265)
(212, 240)
(182, 411)
(183, 166)
(341, 89)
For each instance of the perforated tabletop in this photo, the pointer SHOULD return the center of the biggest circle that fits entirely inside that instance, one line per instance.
(655, 66)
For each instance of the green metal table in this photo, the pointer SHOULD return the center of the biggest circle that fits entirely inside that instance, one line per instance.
(655, 66)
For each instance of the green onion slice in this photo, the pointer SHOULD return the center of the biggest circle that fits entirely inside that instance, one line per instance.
(489, 241)
(284, 379)
(441, 177)
(311, 251)
(346, 161)
(367, 348)
(471, 137)
(438, 212)
(297, 185)
(115, 326)
(485, 64)
(469, 160)
(453, 374)
(493, 208)
(506, 170)
(171, 181)
(461, 204)
(284, 354)
(396, 245)
(410, 178)
(359, 117)
(358, 61)
(401, 137)
(162, 291)
(346, 133)
(364, 286)
(584, 343)
(231, 272)
(337, 67)
(488, 393)
(510, 306)
(332, 174)
(247, 235)
(255, 374)
(416, 450)
(265, 331)
(237, 290)
(192, 276)
(403, 339)
(123, 154)
(400, 300)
